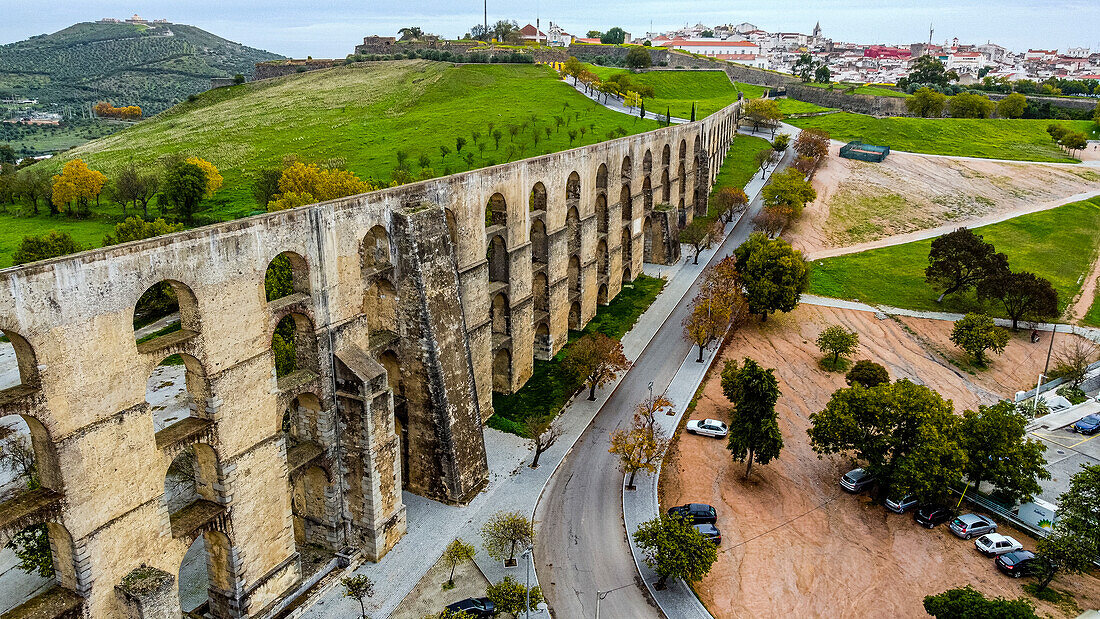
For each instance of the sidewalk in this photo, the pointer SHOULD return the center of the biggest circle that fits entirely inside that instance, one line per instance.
(614, 104)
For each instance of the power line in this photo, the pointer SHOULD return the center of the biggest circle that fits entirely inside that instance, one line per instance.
(780, 526)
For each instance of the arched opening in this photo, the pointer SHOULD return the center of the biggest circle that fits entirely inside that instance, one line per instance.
(627, 203)
(573, 230)
(294, 346)
(286, 274)
(30, 459)
(628, 249)
(666, 186)
(500, 315)
(647, 163)
(683, 150)
(537, 199)
(165, 307)
(626, 276)
(309, 496)
(574, 275)
(302, 420)
(540, 291)
(543, 348)
(573, 189)
(601, 295)
(496, 211)
(388, 360)
(35, 560)
(193, 476)
(206, 577)
(601, 178)
(601, 214)
(502, 371)
(176, 390)
(654, 242)
(647, 194)
(627, 170)
(452, 227)
(538, 242)
(666, 156)
(575, 317)
(380, 306)
(602, 258)
(647, 240)
(18, 363)
(375, 251)
(497, 255)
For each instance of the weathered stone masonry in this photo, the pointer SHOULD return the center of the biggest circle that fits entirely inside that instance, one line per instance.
(394, 377)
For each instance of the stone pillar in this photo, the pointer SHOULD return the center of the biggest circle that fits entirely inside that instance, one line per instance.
(149, 593)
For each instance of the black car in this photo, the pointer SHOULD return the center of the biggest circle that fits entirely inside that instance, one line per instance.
(1017, 564)
(695, 513)
(481, 608)
(1089, 424)
(710, 532)
(929, 515)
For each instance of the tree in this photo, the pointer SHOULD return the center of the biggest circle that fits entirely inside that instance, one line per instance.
(1024, 295)
(638, 58)
(503, 531)
(510, 596)
(960, 260)
(754, 434)
(1079, 507)
(813, 143)
(594, 34)
(867, 374)
(674, 549)
(706, 322)
(976, 333)
(641, 446)
(764, 158)
(1012, 106)
(701, 233)
(928, 70)
(788, 193)
(457, 552)
(729, 201)
(968, 603)
(238, 79)
(135, 229)
(573, 68)
(762, 112)
(32, 548)
(905, 433)
(837, 341)
(542, 433)
(359, 587)
(781, 142)
(410, 33)
(302, 184)
(596, 360)
(459, 143)
(132, 186)
(804, 67)
(1074, 141)
(34, 183)
(1066, 549)
(614, 36)
(998, 451)
(45, 246)
(1073, 360)
(926, 103)
(505, 31)
(445, 150)
(970, 105)
(77, 183)
(773, 273)
(184, 187)
(7, 154)
(822, 75)
(265, 185)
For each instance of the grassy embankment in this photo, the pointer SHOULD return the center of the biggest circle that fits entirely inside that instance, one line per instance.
(859, 89)
(364, 113)
(676, 90)
(794, 106)
(1014, 139)
(1059, 244)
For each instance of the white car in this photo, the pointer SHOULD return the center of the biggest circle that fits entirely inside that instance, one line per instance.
(708, 427)
(994, 544)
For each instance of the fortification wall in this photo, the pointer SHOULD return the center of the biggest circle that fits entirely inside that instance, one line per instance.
(279, 68)
(860, 104)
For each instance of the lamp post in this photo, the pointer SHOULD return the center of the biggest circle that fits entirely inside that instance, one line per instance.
(527, 608)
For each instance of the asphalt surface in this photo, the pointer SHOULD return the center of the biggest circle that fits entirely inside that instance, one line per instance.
(582, 538)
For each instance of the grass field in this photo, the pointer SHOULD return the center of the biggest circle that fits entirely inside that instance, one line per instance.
(550, 386)
(676, 90)
(740, 164)
(794, 106)
(1059, 244)
(859, 89)
(87, 232)
(31, 140)
(1021, 140)
(1092, 318)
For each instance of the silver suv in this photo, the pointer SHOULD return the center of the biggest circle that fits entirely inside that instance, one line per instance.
(856, 480)
(972, 525)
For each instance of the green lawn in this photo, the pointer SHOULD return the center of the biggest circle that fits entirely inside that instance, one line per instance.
(794, 106)
(1092, 318)
(1020, 139)
(740, 164)
(550, 387)
(87, 232)
(363, 113)
(676, 90)
(1059, 244)
(859, 89)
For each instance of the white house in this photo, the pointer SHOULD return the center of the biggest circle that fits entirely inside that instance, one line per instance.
(714, 48)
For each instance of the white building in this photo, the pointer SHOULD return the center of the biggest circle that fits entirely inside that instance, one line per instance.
(969, 62)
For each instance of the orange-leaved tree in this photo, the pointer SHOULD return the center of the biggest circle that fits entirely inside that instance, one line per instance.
(641, 446)
(213, 177)
(595, 359)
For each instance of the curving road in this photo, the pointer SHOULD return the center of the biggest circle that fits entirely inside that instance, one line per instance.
(582, 537)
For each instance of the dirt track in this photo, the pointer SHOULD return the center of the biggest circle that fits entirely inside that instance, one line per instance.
(794, 543)
(861, 202)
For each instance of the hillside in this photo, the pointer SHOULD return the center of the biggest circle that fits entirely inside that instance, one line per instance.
(675, 91)
(362, 113)
(154, 66)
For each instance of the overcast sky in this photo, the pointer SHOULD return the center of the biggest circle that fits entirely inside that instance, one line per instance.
(331, 29)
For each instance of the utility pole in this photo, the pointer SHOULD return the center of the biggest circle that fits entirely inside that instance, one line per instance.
(486, 18)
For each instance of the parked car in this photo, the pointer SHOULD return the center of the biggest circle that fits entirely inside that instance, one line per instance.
(902, 505)
(481, 608)
(856, 480)
(710, 532)
(1089, 424)
(930, 514)
(994, 544)
(969, 526)
(708, 427)
(1017, 564)
(695, 513)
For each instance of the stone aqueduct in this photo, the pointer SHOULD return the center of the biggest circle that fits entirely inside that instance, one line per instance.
(394, 376)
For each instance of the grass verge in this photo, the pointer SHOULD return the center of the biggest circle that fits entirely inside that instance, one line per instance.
(676, 90)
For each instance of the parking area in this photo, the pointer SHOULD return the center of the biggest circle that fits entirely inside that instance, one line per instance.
(1067, 451)
(794, 543)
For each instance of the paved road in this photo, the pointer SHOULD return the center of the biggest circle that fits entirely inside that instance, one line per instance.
(579, 517)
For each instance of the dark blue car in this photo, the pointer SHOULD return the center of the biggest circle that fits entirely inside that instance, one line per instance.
(1088, 424)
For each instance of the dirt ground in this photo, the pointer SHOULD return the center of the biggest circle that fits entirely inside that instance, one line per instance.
(859, 202)
(794, 543)
(429, 598)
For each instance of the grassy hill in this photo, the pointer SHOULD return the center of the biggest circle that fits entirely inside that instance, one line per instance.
(676, 90)
(154, 66)
(999, 138)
